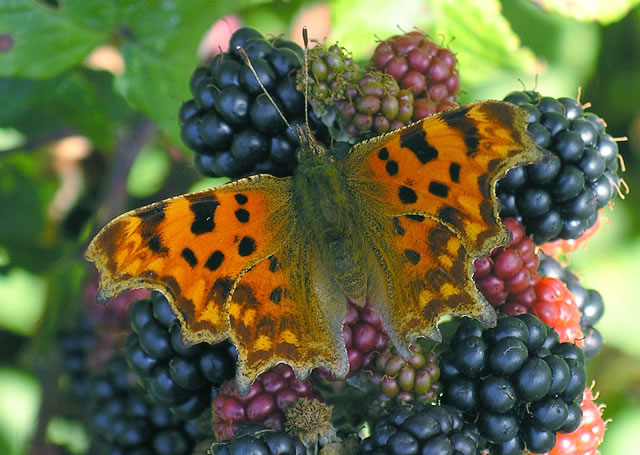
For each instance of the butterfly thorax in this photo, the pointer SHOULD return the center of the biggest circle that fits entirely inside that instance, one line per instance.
(328, 210)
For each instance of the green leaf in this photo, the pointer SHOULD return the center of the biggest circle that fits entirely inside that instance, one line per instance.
(603, 11)
(161, 56)
(356, 23)
(148, 172)
(484, 43)
(35, 105)
(43, 41)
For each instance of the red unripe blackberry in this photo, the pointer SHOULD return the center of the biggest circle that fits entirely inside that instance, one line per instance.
(364, 336)
(422, 67)
(270, 394)
(509, 273)
(556, 307)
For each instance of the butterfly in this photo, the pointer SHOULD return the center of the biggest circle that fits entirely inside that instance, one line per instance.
(269, 262)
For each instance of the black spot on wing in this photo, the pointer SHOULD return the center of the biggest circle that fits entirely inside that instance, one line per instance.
(273, 263)
(412, 255)
(407, 195)
(458, 119)
(276, 295)
(383, 153)
(150, 219)
(155, 245)
(242, 215)
(241, 198)
(247, 246)
(416, 218)
(397, 226)
(189, 256)
(415, 139)
(215, 260)
(454, 172)
(204, 209)
(391, 167)
(439, 189)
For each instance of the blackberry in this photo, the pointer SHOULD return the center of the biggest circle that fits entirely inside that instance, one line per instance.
(174, 374)
(507, 276)
(589, 302)
(422, 430)
(516, 380)
(331, 71)
(259, 440)
(270, 394)
(556, 306)
(76, 345)
(123, 420)
(559, 197)
(406, 381)
(422, 67)
(231, 124)
(364, 337)
(588, 435)
(374, 105)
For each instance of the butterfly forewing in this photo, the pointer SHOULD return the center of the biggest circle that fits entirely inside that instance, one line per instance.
(446, 166)
(193, 248)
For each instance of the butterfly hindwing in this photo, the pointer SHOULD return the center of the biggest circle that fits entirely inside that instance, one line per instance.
(193, 248)
(446, 166)
(432, 271)
(285, 310)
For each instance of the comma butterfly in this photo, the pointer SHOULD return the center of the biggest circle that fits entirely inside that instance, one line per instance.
(268, 262)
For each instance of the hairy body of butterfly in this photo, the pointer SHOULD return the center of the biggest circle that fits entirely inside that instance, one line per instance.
(268, 262)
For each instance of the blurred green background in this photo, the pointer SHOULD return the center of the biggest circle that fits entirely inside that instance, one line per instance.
(89, 97)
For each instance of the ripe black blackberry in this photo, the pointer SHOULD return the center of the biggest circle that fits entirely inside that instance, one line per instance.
(123, 420)
(516, 381)
(75, 345)
(258, 440)
(559, 198)
(422, 430)
(589, 302)
(231, 124)
(174, 374)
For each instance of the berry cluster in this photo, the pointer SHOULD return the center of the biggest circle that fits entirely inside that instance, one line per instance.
(76, 344)
(173, 373)
(125, 421)
(507, 276)
(588, 301)
(422, 430)
(406, 381)
(270, 394)
(231, 124)
(559, 197)
(375, 104)
(422, 67)
(516, 381)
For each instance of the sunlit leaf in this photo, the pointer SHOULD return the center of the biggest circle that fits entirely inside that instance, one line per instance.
(604, 11)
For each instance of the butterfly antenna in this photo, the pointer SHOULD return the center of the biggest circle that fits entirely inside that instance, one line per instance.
(308, 133)
(247, 62)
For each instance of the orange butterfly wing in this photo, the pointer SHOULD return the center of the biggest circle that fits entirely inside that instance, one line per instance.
(433, 183)
(446, 166)
(213, 254)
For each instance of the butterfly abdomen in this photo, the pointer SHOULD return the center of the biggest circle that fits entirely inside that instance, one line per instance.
(327, 209)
